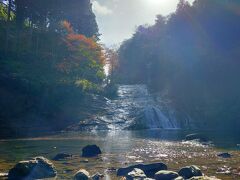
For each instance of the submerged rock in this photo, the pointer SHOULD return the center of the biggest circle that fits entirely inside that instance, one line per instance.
(196, 136)
(3, 175)
(149, 169)
(189, 172)
(84, 161)
(61, 156)
(97, 176)
(224, 170)
(111, 170)
(225, 155)
(204, 178)
(166, 175)
(91, 151)
(136, 174)
(82, 174)
(37, 168)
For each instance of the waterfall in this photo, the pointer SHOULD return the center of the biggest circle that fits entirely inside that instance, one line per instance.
(136, 108)
(155, 118)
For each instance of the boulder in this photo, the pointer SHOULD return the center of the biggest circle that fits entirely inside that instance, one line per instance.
(97, 176)
(136, 174)
(189, 172)
(149, 169)
(196, 136)
(166, 175)
(82, 174)
(224, 155)
(91, 151)
(37, 168)
(61, 156)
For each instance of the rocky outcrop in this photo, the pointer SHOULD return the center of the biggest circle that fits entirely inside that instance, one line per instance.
(37, 168)
(91, 151)
(149, 169)
(82, 174)
(189, 172)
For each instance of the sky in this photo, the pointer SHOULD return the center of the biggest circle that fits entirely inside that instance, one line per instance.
(118, 19)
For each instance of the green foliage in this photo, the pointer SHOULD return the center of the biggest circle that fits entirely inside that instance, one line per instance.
(87, 86)
(3, 12)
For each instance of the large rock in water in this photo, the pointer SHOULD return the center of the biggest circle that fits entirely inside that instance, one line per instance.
(136, 174)
(37, 168)
(149, 169)
(166, 175)
(82, 174)
(91, 151)
(189, 172)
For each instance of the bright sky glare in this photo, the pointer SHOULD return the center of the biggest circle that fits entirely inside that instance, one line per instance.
(118, 19)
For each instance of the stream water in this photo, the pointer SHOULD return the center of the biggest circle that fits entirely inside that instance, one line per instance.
(161, 142)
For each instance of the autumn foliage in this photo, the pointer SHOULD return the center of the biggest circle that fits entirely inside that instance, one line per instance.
(84, 58)
(76, 42)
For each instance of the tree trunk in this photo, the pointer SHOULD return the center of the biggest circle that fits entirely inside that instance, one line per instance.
(9, 10)
(8, 24)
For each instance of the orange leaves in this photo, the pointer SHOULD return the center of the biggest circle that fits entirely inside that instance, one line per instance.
(67, 26)
(84, 57)
(77, 39)
(81, 46)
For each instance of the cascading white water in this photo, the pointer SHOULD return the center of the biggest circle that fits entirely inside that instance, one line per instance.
(155, 118)
(136, 108)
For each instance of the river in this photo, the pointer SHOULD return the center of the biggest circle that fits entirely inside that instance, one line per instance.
(161, 141)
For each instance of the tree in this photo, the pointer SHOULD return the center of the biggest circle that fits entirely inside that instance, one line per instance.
(84, 60)
(191, 58)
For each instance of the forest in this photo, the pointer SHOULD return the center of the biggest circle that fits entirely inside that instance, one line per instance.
(191, 57)
(50, 60)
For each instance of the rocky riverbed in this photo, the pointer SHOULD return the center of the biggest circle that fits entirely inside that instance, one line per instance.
(118, 150)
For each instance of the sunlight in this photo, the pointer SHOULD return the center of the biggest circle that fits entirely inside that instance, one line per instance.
(160, 3)
(153, 2)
